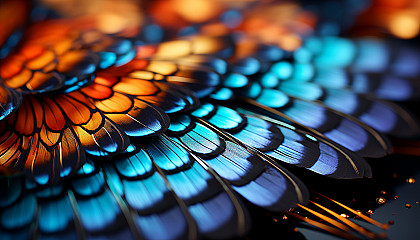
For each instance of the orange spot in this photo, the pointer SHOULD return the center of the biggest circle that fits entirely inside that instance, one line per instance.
(410, 180)
(405, 24)
(97, 92)
(290, 42)
(381, 200)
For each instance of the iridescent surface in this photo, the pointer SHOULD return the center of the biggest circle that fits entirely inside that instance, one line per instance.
(208, 119)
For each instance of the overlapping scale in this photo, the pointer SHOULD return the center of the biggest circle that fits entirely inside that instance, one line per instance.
(194, 62)
(306, 92)
(314, 80)
(382, 115)
(286, 143)
(84, 205)
(343, 130)
(249, 172)
(199, 189)
(135, 196)
(63, 54)
(49, 134)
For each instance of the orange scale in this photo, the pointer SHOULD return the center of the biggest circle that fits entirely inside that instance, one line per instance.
(79, 96)
(6, 139)
(19, 79)
(69, 144)
(136, 87)
(165, 68)
(163, 86)
(138, 106)
(50, 67)
(206, 45)
(25, 122)
(77, 112)
(173, 49)
(136, 64)
(38, 79)
(26, 142)
(54, 118)
(119, 119)
(8, 150)
(85, 138)
(41, 61)
(146, 75)
(139, 64)
(64, 45)
(32, 51)
(118, 103)
(97, 91)
(146, 51)
(68, 60)
(187, 74)
(49, 138)
(95, 122)
(12, 154)
(71, 153)
(105, 80)
(38, 155)
(159, 77)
